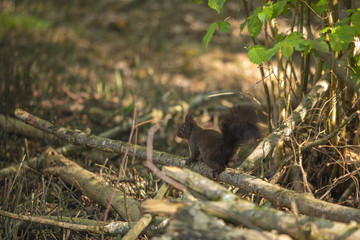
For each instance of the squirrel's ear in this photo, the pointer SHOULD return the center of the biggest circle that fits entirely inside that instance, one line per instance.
(189, 117)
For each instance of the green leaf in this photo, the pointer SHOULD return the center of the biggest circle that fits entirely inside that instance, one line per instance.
(224, 26)
(216, 4)
(294, 36)
(272, 51)
(340, 37)
(287, 49)
(319, 44)
(242, 26)
(279, 37)
(342, 21)
(257, 54)
(301, 45)
(254, 24)
(209, 33)
(325, 30)
(320, 6)
(355, 19)
(266, 13)
(278, 8)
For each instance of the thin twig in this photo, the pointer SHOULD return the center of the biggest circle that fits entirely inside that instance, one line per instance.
(340, 180)
(121, 171)
(332, 134)
(149, 161)
(50, 222)
(304, 174)
(126, 206)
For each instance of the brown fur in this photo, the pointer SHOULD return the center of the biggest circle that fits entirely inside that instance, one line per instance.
(239, 125)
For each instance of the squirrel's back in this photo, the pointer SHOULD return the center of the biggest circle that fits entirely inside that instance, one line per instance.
(243, 124)
(239, 125)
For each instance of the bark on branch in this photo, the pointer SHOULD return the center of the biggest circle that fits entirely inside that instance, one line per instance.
(89, 183)
(306, 203)
(223, 204)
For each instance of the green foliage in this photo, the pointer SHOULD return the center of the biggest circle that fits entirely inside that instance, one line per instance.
(295, 40)
(217, 5)
(224, 26)
(357, 67)
(355, 19)
(254, 26)
(265, 13)
(209, 33)
(255, 22)
(320, 6)
(22, 23)
(341, 37)
(278, 8)
(319, 44)
(287, 49)
(257, 54)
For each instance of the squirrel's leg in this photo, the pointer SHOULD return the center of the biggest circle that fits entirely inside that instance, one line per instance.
(216, 172)
(194, 150)
(216, 166)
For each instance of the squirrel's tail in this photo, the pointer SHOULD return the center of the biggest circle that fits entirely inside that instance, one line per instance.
(242, 124)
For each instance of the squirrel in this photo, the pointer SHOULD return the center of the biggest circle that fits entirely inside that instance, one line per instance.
(239, 125)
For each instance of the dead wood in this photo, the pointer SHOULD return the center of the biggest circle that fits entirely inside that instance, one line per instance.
(86, 225)
(306, 203)
(269, 142)
(41, 220)
(89, 183)
(307, 102)
(145, 220)
(13, 126)
(230, 207)
(192, 223)
(18, 127)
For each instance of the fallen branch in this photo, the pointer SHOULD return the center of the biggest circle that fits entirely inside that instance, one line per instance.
(80, 224)
(145, 220)
(306, 203)
(89, 183)
(18, 127)
(265, 218)
(192, 221)
(41, 220)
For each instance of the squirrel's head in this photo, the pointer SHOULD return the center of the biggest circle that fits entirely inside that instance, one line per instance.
(185, 129)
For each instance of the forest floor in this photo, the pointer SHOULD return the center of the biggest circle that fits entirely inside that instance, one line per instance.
(60, 58)
(88, 64)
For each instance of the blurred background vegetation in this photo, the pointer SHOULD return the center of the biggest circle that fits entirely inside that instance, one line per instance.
(88, 64)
